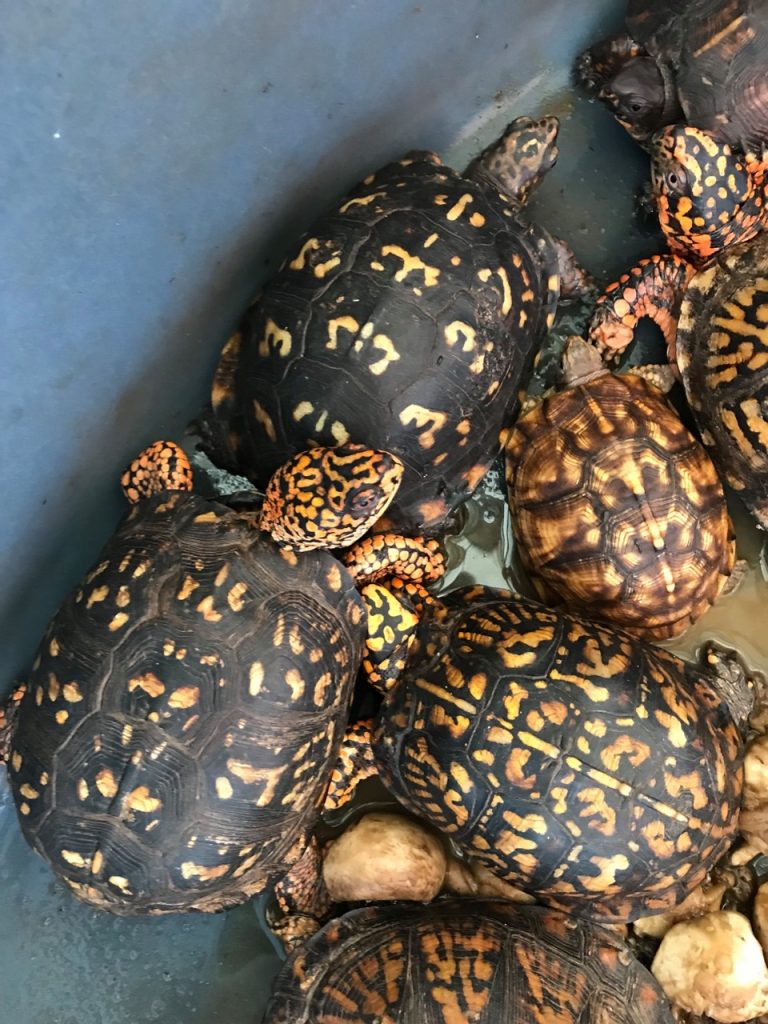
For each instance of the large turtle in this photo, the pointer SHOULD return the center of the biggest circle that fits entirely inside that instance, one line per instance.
(407, 319)
(188, 701)
(456, 962)
(595, 771)
(698, 61)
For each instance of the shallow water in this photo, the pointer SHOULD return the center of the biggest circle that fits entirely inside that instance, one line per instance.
(98, 969)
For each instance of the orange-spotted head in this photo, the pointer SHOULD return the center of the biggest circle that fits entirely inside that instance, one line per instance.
(329, 497)
(707, 196)
(163, 466)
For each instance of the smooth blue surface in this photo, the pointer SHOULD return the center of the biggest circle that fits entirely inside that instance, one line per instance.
(156, 160)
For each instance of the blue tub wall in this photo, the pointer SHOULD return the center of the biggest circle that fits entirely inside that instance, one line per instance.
(157, 160)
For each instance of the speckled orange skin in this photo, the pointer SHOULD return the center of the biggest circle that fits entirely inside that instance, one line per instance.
(456, 962)
(618, 511)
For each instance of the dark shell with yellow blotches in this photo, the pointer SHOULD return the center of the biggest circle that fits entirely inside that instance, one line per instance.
(184, 711)
(593, 770)
(617, 509)
(406, 320)
(458, 961)
(722, 352)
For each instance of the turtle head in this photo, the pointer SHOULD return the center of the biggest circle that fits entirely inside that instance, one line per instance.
(162, 466)
(706, 194)
(329, 497)
(516, 163)
(581, 361)
(638, 95)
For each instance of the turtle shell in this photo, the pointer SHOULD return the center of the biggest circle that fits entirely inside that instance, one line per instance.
(598, 772)
(715, 53)
(722, 352)
(617, 509)
(456, 961)
(406, 320)
(184, 711)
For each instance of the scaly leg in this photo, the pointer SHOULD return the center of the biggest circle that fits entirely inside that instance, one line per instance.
(163, 466)
(302, 898)
(654, 288)
(8, 712)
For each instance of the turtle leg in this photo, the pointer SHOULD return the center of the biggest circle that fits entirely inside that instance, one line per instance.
(382, 555)
(354, 764)
(654, 288)
(303, 899)
(518, 161)
(596, 66)
(575, 282)
(8, 712)
(391, 631)
(163, 466)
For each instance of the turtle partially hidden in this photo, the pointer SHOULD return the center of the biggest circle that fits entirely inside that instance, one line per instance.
(187, 704)
(698, 61)
(616, 508)
(709, 200)
(406, 320)
(459, 961)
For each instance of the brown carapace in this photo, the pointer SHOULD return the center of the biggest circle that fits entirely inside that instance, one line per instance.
(617, 509)
(459, 961)
(183, 715)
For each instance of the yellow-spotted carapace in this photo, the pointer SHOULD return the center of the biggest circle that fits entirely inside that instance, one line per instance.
(406, 320)
(184, 713)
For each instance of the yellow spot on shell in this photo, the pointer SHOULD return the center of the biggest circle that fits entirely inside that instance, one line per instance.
(339, 432)
(411, 264)
(477, 220)
(140, 799)
(118, 621)
(53, 647)
(506, 302)
(24, 809)
(431, 240)
(62, 716)
(255, 678)
(361, 201)
(459, 207)
(457, 331)
(97, 594)
(346, 323)
(302, 409)
(235, 596)
(422, 417)
(82, 789)
(71, 692)
(387, 346)
(29, 791)
(16, 760)
(206, 517)
(184, 697)
(105, 783)
(190, 870)
(311, 245)
(224, 789)
(207, 610)
(121, 883)
(148, 682)
(77, 860)
(262, 417)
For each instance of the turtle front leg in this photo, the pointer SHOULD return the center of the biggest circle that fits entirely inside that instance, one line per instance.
(384, 555)
(595, 67)
(355, 763)
(303, 900)
(8, 713)
(654, 288)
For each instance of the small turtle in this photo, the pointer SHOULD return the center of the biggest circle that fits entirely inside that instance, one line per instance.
(188, 701)
(616, 508)
(455, 962)
(594, 771)
(718, 345)
(699, 61)
(407, 320)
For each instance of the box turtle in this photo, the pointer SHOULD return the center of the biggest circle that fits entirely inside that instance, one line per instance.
(712, 322)
(616, 508)
(699, 61)
(465, 962)
(593, 770)
(183, 714)
(406, 320)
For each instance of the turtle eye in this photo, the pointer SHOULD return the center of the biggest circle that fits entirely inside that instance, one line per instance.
(675, 180)
(363, 501)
